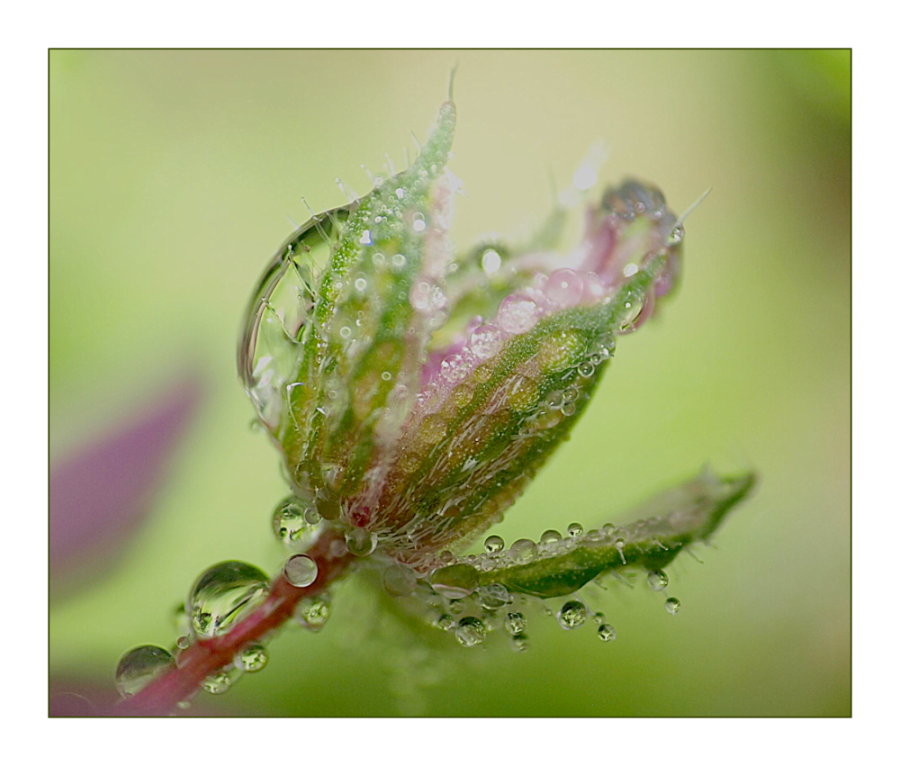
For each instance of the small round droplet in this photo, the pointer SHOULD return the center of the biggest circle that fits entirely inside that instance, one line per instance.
(673, 605)
(253, 658)
(220, 681)
(491, 261)
(676, 235)
(290, 522)
(519, 642)
(657, 580)
(494, 596)
(564, 287)
(445, 622)
(586, 369)
(606, 632)
(572, 614)
(301, 571)
(313, 613)
(493, 544)
(575, 529)
(515, 622)
(485, 341)
(550, 536)
(139, 666)
(470, 631)
(517, 314)
(399, 580)
(360, 541)
(222, 593)
(523, 551)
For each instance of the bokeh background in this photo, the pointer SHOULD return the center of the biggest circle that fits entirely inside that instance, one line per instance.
(176, 174)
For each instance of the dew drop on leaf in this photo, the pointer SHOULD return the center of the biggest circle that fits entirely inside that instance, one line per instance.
(515, 622)
(493, 544)
(361, 542)
(572, 614)
(606, 632)
(470, 631)
(673, 605)
(657, 580)
(253, 658)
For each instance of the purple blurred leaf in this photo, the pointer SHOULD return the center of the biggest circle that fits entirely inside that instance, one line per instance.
(100, 493)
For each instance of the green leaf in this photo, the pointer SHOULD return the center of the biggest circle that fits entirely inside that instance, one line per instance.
(674, 520)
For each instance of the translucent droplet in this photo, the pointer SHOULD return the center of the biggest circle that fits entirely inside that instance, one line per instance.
(222, 593)
(517, 314)
(494, 596)
(586, 369)
(300, 571)
(419, 224)
(515, 622)
(523, 551)
(220, 681)
(456, 581)
(427, 296)
(606, 632)
(485, 341)
(470, 631)
(139, 666)
(493, 544)
(253, 658)
(657, 580)
(572, 614)
(290, 522)
(575, 529)
(445, 622)
(564, 287)
(313, 612)
(399, 580)
(519, 642)
(568, 408)
(673, 605)
(550, 536)
(361, 541)
(677, 235)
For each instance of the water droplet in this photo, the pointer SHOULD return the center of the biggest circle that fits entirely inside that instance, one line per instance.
(445, 622)
(290, 522)
(399, 580)
(361, 541)
(419, 224)
(222, 593)
(657, 580)
(550, 536)
(470, 631)
(515, 622)
(568, 408)
(400, 192)
(586, 369)
(517, 314)
(485, 341)
(523, 551)
(606, 632)
(575, 529)
(300, 571)
(455, 581)
(572, 615)
(494, 596)
(140, 666)
(673, 605)
(676, 235)
(427, 296)
(398, 260)
(360, 284)
(519, 642)
(313, 612)
(564, 287)
(494, 544)
(491, 261)
(220, 681)
(253, 658)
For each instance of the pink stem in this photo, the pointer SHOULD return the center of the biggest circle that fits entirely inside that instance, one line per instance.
(201, 659)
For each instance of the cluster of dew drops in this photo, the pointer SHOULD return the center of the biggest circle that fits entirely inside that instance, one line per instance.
(227, 591)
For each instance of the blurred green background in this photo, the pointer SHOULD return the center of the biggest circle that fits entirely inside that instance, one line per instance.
(176, 174)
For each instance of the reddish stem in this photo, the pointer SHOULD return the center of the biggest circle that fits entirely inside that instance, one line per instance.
(201, 659)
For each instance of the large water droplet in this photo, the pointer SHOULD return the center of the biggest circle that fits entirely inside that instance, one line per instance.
(673, 605)
(523, 551)
(517, 314)
(572, 614)
(360, 541)
(470, 631)
(301, 571)
(575, 529)
(290, 522)
(455, 581)
(550, 536)
(485, 341)
(253, 658)
(139, 666)
(564, 287)
(493, 544)
(494, 596)
(222, 593)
